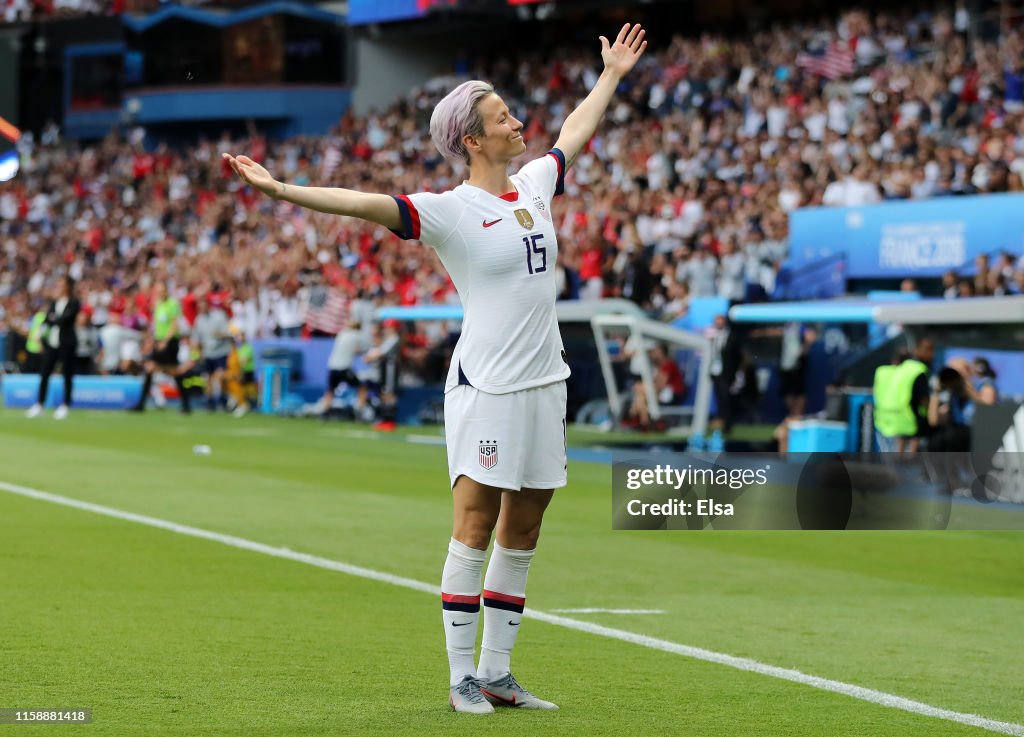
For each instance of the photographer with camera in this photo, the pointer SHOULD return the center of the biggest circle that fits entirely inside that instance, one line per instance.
(947, 412)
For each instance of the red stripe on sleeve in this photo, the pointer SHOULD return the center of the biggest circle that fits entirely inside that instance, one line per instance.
(460, 598)
(517, 600)
(414, 214)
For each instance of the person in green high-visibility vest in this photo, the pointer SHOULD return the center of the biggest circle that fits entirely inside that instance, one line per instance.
(34, 342)
(901, 393)
(166, 342)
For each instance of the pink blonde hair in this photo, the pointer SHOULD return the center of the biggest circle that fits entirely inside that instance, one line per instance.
(457, 116)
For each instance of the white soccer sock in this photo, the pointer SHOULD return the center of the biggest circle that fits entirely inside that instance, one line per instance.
(504, 599)
(460, 606)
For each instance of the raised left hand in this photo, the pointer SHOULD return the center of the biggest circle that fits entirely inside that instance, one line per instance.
(629, 46)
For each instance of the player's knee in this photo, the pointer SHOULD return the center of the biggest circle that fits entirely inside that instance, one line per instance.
(473, 536)
(520, 537)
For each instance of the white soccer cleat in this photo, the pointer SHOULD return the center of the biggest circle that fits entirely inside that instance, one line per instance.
(61, 413)
(505, 691)
(465, 697)
(34, 411)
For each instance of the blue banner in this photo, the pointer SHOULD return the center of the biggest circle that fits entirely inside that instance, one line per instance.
(381, 11)
(88, 392)
(907, 239)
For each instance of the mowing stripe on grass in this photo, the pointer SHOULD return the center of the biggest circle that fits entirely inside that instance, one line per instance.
(598, 610)
(747, 664)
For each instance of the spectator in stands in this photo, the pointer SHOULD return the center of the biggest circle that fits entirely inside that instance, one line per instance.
(982, 283)
(287, 306)
(854, 190)
(949, 285)
(669, 385)
(731, 271)
(636, 281)
(669, 389)
(699, 272)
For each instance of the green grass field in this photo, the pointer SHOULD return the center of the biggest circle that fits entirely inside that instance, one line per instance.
(164, 634)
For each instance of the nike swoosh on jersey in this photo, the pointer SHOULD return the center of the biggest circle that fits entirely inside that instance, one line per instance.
(493, 222)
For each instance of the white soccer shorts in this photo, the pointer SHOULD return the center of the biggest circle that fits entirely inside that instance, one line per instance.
(511, 441)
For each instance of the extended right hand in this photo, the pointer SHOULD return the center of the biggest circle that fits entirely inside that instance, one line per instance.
(254, 174)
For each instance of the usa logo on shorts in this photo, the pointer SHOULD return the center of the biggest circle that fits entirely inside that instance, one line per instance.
(488, 454)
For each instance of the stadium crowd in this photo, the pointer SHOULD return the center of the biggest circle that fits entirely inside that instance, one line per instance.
(24, 11)
(684, 192)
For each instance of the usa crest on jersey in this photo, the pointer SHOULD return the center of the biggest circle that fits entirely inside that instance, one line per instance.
(488, 454)
(538, 203)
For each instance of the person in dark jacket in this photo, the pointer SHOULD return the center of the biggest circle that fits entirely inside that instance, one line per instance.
(60, 344)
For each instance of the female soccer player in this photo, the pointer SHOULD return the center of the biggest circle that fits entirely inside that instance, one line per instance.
(505, 394)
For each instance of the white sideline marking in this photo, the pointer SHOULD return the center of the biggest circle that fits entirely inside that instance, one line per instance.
(252, 432)
(747, 664)
(591, 610)
(424, 439)
(360, 434)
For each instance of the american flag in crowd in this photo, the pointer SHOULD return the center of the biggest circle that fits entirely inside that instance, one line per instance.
(833, 62)
(326, 310)
(332, 157)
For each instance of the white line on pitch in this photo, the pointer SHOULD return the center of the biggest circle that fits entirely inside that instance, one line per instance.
(424, 439)
(592, 610)
(746, 664)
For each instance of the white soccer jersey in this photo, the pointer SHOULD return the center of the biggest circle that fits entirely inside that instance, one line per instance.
(501, 254)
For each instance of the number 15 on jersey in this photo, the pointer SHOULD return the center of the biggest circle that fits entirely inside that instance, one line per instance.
(532, 249)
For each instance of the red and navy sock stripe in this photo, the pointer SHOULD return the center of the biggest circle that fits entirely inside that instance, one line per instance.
(497, 600)
(460, 603)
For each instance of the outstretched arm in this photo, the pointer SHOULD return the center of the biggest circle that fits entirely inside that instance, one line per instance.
(619, 58)
(377, 208)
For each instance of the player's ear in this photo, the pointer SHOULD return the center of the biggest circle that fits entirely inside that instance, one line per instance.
(472, 143)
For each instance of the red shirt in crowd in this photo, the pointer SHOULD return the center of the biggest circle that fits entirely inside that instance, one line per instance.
(672, 377)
